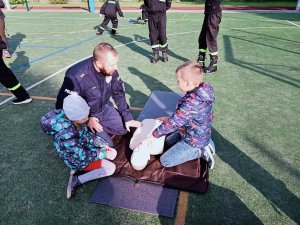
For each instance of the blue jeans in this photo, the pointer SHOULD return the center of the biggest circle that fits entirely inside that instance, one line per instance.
(178, 152)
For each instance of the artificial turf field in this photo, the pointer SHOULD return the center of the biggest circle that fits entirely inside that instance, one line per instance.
(256, 128)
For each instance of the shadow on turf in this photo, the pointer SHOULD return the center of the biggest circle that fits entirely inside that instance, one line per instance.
(131, 44)
(273, 189)
(248, 33)
(229, 57)
(152, 83)
(21, 63)
(218, 206)
(14, 41)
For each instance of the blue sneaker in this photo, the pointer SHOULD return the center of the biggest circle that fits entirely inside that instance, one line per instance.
(73, 184)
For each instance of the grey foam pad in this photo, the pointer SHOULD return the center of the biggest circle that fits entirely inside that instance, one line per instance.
(123, 192)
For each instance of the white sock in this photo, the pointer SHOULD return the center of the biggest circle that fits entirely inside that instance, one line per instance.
(107, 169)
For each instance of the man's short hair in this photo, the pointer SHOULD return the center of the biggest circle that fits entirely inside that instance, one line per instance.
(101, 50)
(191, 71)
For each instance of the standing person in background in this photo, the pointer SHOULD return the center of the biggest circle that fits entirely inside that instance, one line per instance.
(157, 23)
(110, 9)
(9, 80)
(208, 35)
(144, 16)
(5, 51)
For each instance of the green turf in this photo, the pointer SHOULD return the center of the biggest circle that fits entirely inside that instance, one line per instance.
(256, 126)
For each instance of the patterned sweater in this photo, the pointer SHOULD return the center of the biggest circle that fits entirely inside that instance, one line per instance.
(76, 147)
(193, 117)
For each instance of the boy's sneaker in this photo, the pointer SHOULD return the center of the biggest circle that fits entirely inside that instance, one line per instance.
(73, 184)
(208, 153)
(20, 101)
(6, 54)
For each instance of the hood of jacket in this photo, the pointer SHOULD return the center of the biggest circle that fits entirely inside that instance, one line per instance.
(204, 92)
(55, 121)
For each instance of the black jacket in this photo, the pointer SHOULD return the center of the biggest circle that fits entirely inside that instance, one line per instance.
(94, 88)
(110, 8)
(212, 6)
(157, 6)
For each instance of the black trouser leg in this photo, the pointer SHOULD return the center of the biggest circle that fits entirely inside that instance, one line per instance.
(9, 80)
(163, 44)
(114, 22)
(103, 25)
(153, 35)
(202, 42)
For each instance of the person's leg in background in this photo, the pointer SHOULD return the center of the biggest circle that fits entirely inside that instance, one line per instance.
(153, 35)
(202, 43)
(163, 44)
(214, 21)
(9, 80)
(5, 51)
(103, 25)
(114, 22)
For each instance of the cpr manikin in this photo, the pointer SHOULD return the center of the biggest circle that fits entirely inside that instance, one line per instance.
(143, 149)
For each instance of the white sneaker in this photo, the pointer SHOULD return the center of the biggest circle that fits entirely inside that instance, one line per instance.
(19, 101)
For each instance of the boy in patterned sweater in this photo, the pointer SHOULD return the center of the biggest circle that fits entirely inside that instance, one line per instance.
(188, 129)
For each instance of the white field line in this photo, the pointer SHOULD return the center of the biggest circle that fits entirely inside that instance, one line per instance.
(121, 45)
(293, 23)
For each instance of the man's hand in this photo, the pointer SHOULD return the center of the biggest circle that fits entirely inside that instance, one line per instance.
(94, 125)
(132, 123)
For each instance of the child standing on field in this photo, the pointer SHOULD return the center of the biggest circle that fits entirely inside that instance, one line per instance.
(110, 9)
(144, 16)
(5, 52)
(188, 129)
(81, 150)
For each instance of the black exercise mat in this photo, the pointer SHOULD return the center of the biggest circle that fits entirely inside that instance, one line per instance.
(123, 192)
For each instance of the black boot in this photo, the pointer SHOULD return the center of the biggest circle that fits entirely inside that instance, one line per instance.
(99, 31)
(212, 67)
(165, 56)
(113, 32)
(201, 60)
(155, 56)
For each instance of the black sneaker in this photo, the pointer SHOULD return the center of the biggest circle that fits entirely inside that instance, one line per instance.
(19, 101)
(72, 185)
